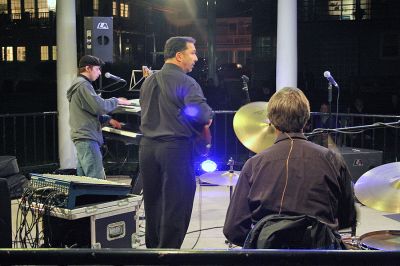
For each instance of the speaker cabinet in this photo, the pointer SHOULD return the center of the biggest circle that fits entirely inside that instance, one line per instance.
(98, 36)
(360, 161)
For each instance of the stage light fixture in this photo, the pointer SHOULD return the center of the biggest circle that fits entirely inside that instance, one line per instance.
(208, 166)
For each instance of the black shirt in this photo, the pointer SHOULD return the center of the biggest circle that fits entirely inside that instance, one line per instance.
(172, 105)
(319, 185)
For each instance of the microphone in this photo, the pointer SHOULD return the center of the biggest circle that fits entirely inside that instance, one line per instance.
(111, 76)
(331, 80)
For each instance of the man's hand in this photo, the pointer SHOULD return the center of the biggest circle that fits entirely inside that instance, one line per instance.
(123, 101)
(115, 124)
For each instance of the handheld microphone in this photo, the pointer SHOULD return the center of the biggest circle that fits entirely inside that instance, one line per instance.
(331, 80)
(111, 76)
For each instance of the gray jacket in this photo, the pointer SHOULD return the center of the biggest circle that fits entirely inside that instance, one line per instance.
(87, 110)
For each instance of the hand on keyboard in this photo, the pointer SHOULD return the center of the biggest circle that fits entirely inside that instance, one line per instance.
(115, 124)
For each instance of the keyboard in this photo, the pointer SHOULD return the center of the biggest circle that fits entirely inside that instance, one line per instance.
(125, 136)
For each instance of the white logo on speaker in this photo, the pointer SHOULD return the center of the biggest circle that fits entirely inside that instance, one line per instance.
(102, 26)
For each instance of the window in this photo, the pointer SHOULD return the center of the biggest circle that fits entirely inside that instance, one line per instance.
(43, 8)
(44, 53)
(54, 52)
(52, 5)
(124, 10)
(347, 9)
(21, 53)
(95, 7)
(114, 8)
(3, 8)
(16, 9)
(9, 54)
(30, 7)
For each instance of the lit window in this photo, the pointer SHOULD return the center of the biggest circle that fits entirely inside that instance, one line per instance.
(114, 8)
(30, 7)
(10, 54)
(54, 52)
(3, 8)
(52, 5)
(43, 8)
(21, 53)
(345, 9)
(124, 10)
(96, 7)
(16, 9)
(44, 53)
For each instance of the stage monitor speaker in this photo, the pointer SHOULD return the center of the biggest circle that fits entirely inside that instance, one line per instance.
(360, 161)
(98, 36)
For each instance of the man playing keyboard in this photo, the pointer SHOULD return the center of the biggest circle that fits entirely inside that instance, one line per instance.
(87, 112)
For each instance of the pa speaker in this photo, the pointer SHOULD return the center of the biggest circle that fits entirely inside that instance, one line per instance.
(98, 36)
(360, 161)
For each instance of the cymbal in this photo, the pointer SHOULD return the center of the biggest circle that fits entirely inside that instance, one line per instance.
(221, 178)
(252, 127)
(379, 188)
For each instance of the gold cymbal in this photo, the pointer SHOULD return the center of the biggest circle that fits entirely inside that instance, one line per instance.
(379, 188)
(221, 178)
(252, 127)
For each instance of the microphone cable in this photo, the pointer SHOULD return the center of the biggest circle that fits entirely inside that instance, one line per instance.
(200, 217)
(287, 172)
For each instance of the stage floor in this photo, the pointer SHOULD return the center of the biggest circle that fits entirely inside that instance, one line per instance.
(211, 202)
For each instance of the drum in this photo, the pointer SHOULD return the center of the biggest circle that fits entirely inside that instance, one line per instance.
(387, 240)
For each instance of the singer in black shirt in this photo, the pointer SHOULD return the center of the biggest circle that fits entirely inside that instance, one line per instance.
(172, 106)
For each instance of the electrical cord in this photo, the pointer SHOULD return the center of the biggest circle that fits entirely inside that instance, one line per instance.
(200, 217)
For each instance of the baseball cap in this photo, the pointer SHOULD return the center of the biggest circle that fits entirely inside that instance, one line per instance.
(90, 60)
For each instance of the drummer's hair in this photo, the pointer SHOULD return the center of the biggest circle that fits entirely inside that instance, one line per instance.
(289, 110)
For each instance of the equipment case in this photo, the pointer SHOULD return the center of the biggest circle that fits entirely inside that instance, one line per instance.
(112, 224)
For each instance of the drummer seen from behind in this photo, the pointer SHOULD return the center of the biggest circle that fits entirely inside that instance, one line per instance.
(292, 177)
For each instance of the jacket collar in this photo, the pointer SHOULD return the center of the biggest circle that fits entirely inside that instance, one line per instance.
(171, 66)
(284, 136)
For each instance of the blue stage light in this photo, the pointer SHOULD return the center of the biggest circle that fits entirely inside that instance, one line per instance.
(208, 166)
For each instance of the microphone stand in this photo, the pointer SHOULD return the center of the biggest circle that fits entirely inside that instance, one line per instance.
(112, 84)
(330, 104)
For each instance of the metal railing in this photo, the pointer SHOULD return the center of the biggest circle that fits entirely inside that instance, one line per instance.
(33, 138)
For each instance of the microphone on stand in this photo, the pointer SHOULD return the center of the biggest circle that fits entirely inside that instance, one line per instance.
(246, 79)
(331, 80)
(116, 78)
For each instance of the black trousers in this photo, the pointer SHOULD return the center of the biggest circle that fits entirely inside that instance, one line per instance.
(169, 185)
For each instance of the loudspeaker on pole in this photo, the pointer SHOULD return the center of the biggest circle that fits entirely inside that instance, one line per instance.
(98, 37)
